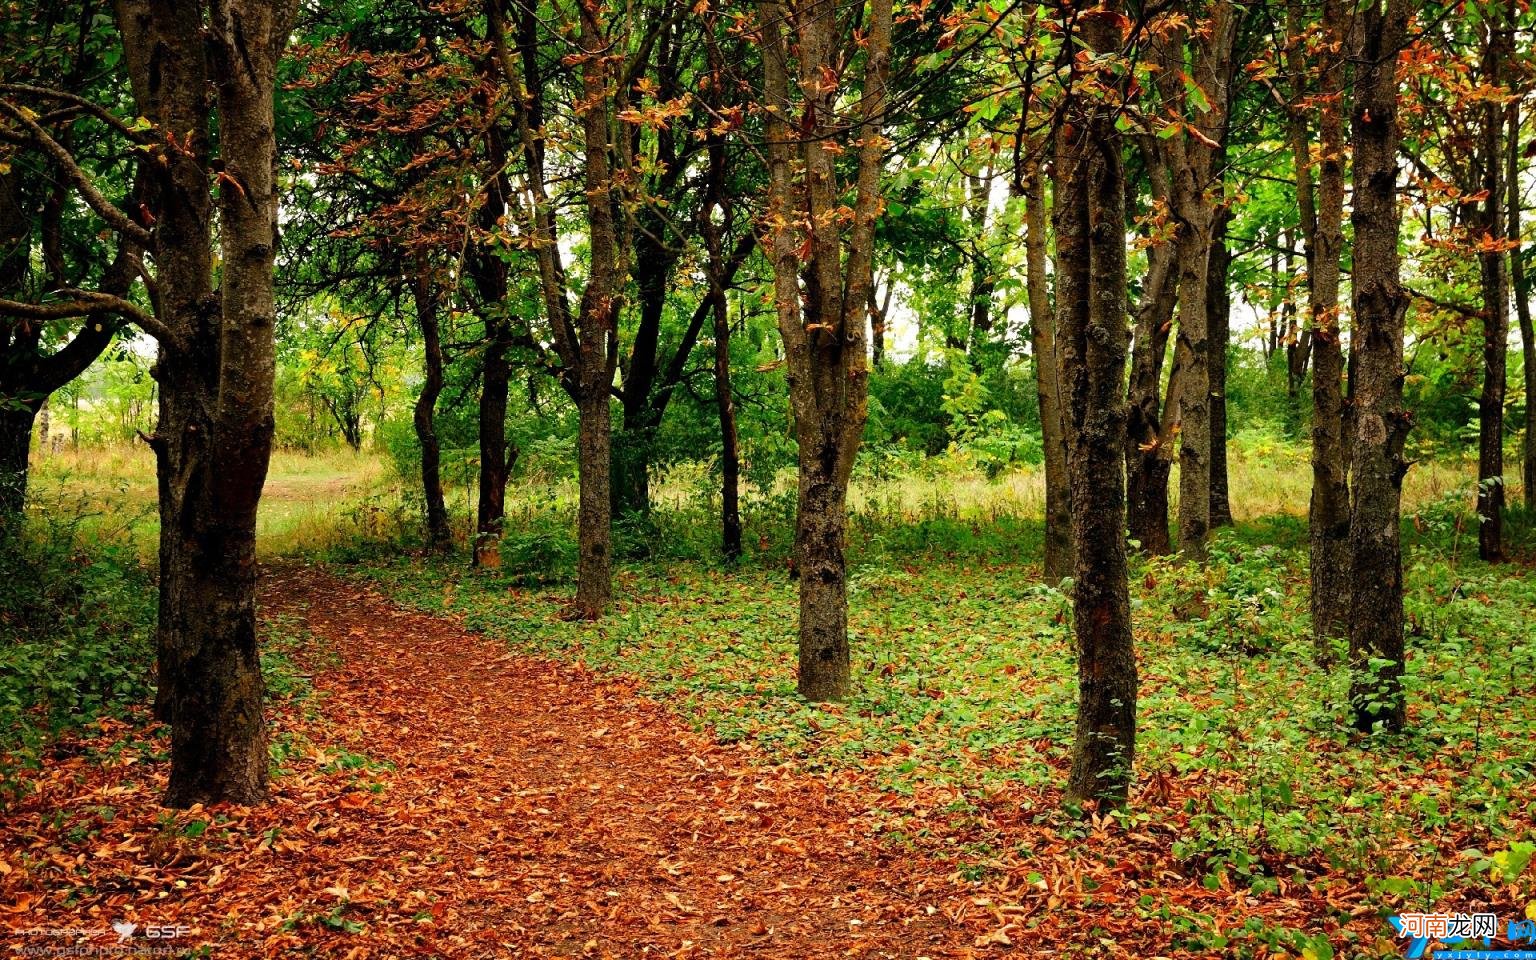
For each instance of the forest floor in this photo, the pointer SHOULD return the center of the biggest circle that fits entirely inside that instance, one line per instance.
(448, 798)
(442, 793)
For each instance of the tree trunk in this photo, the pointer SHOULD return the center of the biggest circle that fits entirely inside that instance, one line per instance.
(1150, 418)
(633, 449)
(15, 446)
(1191, 169)
(1490, 411)
(586, 343)
(1092, 332)
(1193, 346)
(824, 326)
(1323, 236)
(45, 429)
(878, 310)
(597, 340)
(495, 381)
(1218, 311)
(211, 688)
(1522, 293)
(634, 443)
(823, 653)
(1490, 407)
(424, 415)
(1298, 345)
(730, 460)
(725, 404)
(983, 281)
(594, 527)
(1381, 423)
(215, 370)
(489, 274)
(1042, 331)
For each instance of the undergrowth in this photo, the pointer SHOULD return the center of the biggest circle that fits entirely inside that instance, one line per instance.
(77, 621)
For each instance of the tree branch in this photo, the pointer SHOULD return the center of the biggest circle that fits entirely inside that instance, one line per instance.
(84, 303)
(114, 216)
(94, 109)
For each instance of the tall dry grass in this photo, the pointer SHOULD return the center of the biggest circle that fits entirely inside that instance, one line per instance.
(316, 501)
(304, 504)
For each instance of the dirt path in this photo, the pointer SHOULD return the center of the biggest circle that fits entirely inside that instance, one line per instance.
(467, 802)
(575, 817)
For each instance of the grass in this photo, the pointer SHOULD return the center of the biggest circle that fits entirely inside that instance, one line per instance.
(303, 506)
(77, 617)
(315, 503)
(965, 678)
(964, 673)
(965, 681)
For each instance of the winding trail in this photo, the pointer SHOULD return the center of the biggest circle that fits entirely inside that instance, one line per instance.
(444, 797)
(572, 817)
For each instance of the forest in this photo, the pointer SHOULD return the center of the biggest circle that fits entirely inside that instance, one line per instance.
(788, 479)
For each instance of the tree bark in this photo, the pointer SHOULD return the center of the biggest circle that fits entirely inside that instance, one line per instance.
(1381, 424)
(1151, 417)
(495, 384)
(15, 447)
(594, 521)
(1218, 306)
(597, 339)
(1298, 344)
(878, 310)
(586, 342)
(730, 458)
(490, 275)
(16, 347)
(1323, 237)
(424, 415)
(725, 404)
(1520, 289)
(1191, 170)
(634, 444)
(983, 280)
(1495, 291)
(1092, 332)
(1042, 332)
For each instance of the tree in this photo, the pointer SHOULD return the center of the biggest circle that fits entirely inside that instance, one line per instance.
(822, 290)
(717, 202)
(424, 297)
(1092, 339)
(1198, 102)
(1521, 291)
(1322, 231)
(1057, 561)
(44, 346)
(1381, 422)
(193, 69)
(1497, 49)
(409, 200)
(608, 58)
(1153, 413)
